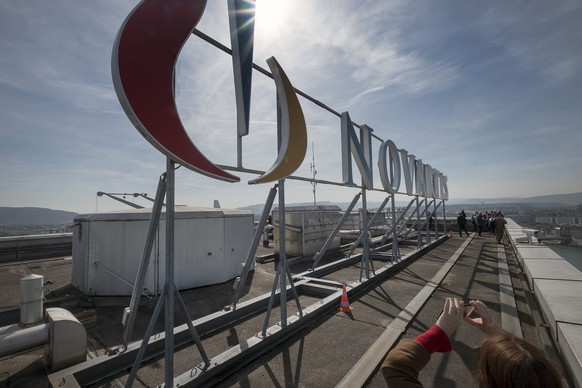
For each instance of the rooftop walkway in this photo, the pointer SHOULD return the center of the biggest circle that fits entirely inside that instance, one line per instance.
(348, 347)
(338, 349)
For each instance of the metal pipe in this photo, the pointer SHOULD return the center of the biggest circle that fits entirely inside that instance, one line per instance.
(253, 248)
(366, 243)
(146, 339)
(395, 250)
(370, 224)
(444, 219)
(400, 218)
(169, 306)
(145, 258)
(419, 235)
(131, 204)
(436, 225)
(282, 253)
(335, 231)
(14, 338)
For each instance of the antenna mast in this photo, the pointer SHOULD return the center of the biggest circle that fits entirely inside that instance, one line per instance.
(314, 172)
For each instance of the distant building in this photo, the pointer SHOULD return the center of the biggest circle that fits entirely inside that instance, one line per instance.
(559, 220)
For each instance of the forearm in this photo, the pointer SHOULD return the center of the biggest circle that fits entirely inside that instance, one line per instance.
(404, 363)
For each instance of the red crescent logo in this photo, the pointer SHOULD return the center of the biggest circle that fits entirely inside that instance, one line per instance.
(144, 56)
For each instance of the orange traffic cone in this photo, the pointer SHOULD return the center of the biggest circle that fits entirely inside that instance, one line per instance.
(345, 304)
(450, 233)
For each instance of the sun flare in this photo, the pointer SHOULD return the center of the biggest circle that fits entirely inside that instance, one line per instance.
(269, 15)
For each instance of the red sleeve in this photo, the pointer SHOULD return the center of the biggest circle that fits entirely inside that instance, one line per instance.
(435, 340)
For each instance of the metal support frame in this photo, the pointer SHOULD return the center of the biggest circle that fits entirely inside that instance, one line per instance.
(423, 215)
(169, 283)
(444, 219)
(409, 220)
(416, 212)
(365, 262)
(436, 208)
(370, 223)
(427, 224)
(395, 249)
(145, 196)
(112, 196)
(145, 257)
(400, 217)
(169, 292)
(317, 257)
(418, 235)
(436, 225)
(240, 282)
(283, 272)
(422, 218)
(94, 370)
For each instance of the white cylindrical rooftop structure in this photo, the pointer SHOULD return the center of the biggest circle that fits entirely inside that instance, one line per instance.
(31, 294)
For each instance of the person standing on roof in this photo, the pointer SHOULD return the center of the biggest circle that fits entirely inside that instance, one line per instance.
(462, 223)
(499, 222)
(480, 222)
(492, 223)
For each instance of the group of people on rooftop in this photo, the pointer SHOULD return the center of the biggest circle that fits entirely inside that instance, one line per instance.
(504, 359)
(493, 222)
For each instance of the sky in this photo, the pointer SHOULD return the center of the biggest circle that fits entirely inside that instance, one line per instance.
(487, 92)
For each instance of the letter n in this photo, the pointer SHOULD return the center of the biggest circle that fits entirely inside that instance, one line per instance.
(361, 151)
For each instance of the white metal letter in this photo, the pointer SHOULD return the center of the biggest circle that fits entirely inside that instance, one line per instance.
(408, 168)
(362, 152)
(389, 167)
(420, 183)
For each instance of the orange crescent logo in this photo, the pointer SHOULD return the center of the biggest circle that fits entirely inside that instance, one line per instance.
(144, 56)
(293, 129)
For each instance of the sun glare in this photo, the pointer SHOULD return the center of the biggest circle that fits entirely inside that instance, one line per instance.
(268, 15)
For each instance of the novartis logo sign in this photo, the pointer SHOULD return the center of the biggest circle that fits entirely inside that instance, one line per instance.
(145, 52)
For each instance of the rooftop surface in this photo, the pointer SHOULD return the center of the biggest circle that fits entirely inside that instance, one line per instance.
(404, 304)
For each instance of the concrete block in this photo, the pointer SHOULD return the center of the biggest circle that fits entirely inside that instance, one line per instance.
(549, 269)
(559, 301)
(537, 252)
(570, 347)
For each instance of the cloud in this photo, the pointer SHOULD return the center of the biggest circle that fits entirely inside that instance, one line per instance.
(542, 37)
(471, 88)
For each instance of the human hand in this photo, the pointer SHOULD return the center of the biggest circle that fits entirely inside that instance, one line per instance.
(483, 320)
(452, 316)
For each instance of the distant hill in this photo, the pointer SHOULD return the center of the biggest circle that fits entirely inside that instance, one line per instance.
(34, 215)
(566, 199)
(37, 215)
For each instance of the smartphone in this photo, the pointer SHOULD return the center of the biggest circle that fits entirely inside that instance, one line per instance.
(468, 309)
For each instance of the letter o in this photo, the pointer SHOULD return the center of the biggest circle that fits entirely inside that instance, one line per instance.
(389, 166)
